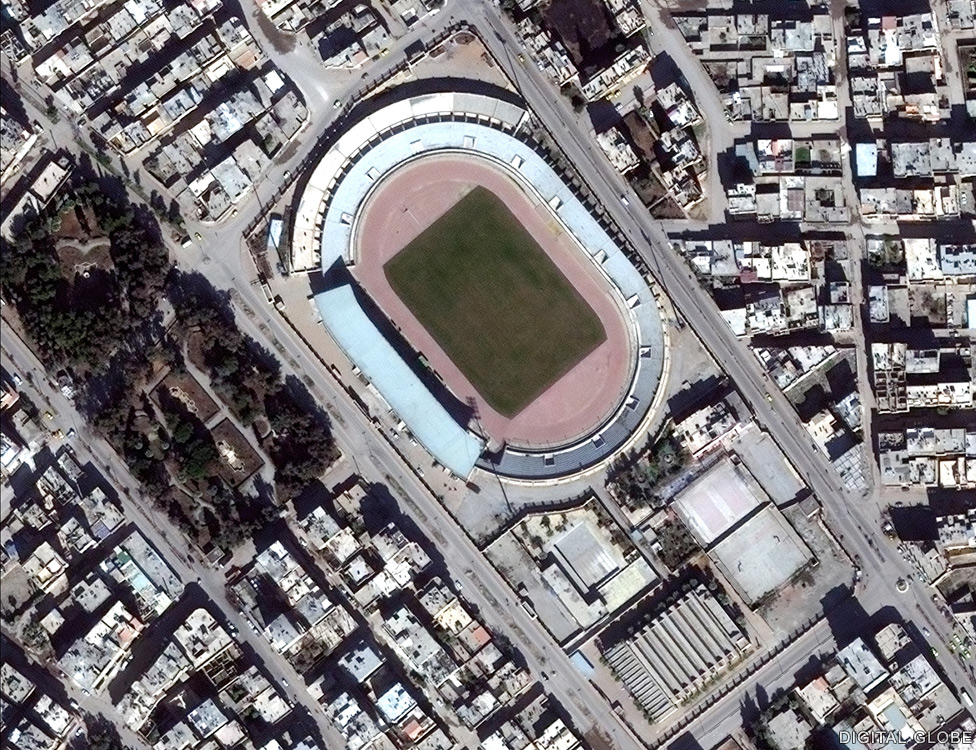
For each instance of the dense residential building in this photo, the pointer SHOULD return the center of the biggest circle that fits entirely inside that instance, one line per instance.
(502, 376)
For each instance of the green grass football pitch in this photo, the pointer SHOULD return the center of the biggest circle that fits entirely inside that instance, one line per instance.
(494, 301)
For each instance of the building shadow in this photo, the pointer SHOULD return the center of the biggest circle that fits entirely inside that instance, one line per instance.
(338, 275)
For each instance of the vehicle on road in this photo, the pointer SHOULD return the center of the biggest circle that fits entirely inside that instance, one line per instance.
(925, 632)
(48, 416)
(965, 697)
(71, 433)
(623, 199)
(17, 380)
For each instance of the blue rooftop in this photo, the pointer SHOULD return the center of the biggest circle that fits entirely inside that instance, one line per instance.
(450, 444)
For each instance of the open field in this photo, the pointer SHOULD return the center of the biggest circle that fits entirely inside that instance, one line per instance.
(238, 460)
(495, 302)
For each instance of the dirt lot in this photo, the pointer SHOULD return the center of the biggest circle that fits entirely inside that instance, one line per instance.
(79, 226)
(185, 388)
(464, 56)
(246, 459)
(820, 589)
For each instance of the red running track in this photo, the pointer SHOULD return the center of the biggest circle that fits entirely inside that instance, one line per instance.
(410, 200)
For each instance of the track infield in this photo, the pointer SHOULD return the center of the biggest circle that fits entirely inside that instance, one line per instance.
(494, 301)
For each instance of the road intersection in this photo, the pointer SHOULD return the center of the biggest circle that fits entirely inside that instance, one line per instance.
(854, 518)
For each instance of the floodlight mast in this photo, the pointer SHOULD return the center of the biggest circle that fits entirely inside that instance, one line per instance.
(472, 403)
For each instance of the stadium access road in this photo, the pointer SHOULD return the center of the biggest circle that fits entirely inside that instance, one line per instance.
(854, 518)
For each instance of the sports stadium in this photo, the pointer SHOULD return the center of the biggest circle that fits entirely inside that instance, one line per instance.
(475, 291)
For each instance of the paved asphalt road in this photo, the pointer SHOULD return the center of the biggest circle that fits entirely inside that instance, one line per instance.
(741, 705)
(849, 515)
(482, 585)
(187, 564)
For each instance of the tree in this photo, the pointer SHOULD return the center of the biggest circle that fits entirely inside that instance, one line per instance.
(197, 458)
(509, 7)
(102, 733)
(182, 432)
(302, 448)
(52, 112)
(175, 214)
(575, 96)
(83, 320)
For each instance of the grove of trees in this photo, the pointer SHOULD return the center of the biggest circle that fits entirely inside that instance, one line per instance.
(97, 314)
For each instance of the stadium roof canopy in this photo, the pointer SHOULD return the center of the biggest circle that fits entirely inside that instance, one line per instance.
(450, 444)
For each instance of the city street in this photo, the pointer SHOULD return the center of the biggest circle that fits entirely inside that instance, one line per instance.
(156, 527)
(220, 255)
(853, 519)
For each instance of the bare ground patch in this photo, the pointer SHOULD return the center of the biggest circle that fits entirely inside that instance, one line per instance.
(186, 389)
(238, 460)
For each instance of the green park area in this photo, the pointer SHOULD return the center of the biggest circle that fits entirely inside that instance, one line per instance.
(495, 302)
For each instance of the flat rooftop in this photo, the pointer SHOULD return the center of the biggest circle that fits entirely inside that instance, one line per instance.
(716, 501)
(766, 462)
(762, 555)
(588, 556)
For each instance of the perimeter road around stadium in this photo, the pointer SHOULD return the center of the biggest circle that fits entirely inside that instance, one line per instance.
(324, 232)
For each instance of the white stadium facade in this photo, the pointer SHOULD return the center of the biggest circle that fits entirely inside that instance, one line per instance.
(324, 236)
